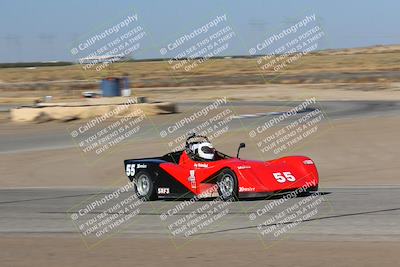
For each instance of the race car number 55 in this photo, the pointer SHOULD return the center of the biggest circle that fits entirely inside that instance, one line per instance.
(284, 176)
(130, 169)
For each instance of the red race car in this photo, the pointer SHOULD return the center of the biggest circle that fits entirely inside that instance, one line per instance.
(200, 171)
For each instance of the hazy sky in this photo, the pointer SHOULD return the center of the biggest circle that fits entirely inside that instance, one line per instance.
(40, 30)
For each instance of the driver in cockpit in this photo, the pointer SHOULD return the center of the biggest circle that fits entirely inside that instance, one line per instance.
(203, 151)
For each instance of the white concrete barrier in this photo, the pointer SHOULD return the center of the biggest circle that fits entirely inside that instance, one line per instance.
(31, 114)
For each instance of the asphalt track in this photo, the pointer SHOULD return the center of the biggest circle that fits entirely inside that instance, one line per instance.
(345, 214)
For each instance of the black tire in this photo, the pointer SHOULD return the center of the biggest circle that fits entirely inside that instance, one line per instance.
(228, 188)
(312, 189)
(145, 186)
(309, 191)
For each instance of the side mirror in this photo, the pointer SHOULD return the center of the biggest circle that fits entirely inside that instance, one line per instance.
(242, 145)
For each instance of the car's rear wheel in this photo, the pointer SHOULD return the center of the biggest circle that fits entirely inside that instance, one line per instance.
(228, 186)
(145, 186)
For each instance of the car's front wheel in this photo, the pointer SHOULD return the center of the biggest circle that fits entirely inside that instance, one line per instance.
(145, 186)
(228, 186)
(308, 191)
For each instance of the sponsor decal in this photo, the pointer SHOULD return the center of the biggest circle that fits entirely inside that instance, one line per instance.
(192, 178)
(244, 167)
(141, 166)
(246, 189)
(163, 190)
(201, 165)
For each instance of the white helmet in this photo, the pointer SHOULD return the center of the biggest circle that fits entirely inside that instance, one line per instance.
(194, 148)
(206, 150)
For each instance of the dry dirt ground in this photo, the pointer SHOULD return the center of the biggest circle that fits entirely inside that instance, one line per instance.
(70, 251)
(257, 92)
(337, 63)
(273, 92)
